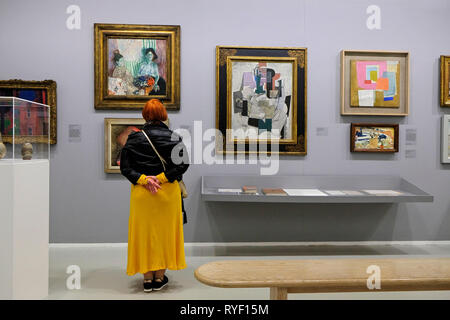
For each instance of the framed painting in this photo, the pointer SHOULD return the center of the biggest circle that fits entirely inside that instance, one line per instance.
(117, 131)
(445, 139)
(261, 100)
(445, 81)
(37, 91)
(134, 63)
(374, 137)
(374, 83)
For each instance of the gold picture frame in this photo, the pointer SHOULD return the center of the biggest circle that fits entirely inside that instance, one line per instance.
(445, 81)
(401, 58)
(114, 128)
(134, 63)
(282, 79)
(43, 88)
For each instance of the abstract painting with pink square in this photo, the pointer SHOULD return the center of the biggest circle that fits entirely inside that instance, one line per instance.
(375, 83)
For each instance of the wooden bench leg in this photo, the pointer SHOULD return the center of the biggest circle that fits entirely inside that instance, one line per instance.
(277, 293)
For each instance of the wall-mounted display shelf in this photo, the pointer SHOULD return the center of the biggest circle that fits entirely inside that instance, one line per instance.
(313, 189)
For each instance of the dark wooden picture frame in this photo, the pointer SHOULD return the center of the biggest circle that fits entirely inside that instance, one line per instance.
(353, 135)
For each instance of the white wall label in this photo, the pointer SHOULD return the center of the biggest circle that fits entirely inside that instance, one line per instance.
(74, 133)
(410, 154)
(373, 22)
(322, 131)
(411, 137)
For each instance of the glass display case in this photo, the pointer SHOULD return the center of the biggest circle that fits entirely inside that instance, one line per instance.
(24, 130)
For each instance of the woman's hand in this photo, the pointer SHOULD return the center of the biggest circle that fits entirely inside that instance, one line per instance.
(153, 184)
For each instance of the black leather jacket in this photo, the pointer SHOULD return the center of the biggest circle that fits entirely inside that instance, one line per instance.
(138, 157)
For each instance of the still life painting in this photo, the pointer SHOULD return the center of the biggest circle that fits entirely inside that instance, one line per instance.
(261, 98)
(134, 63)
(261, 104)
(374, 138)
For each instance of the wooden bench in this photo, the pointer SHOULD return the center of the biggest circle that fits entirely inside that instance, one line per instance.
(327, 275)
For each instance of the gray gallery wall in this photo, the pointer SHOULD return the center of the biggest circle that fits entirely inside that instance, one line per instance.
(88, 205)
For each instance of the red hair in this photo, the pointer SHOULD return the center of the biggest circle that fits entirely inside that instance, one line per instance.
(154, 110)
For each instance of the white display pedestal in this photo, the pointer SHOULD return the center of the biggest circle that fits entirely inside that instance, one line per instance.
(24, 229)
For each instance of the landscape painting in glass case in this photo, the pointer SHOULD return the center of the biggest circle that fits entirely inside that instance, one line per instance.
(374, 137)
(28, 120)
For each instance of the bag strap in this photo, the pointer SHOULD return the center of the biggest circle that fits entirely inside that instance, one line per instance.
(156, 151)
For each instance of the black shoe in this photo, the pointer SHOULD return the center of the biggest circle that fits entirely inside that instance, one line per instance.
(148, 285)
(157, 285)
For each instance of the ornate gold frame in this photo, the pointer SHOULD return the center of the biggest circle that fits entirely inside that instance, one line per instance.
(103, 31)
(445, 79)
(224, 54)
(48, 85)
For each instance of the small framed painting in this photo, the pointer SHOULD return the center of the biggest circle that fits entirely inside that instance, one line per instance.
(261, 100)
(374, 137)
(445, 81)
(37, 91)
(134, 63)
(374, 83)
(445, 139)
(117, 131)
(116, 135)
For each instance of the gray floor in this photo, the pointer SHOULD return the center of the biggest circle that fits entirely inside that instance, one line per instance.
(103, 272)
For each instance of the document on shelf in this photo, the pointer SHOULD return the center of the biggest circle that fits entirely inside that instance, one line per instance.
(304, 192)
(352, 193)
(335, 192)
(384, 192)
(229, 190)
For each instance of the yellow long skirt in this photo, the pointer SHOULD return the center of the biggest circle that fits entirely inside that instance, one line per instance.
(155, 230)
